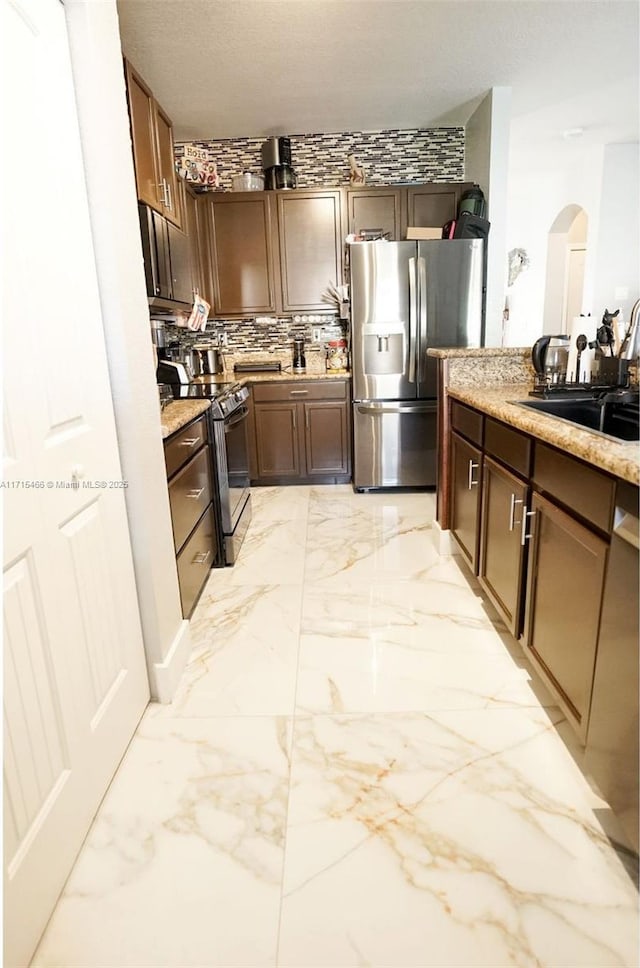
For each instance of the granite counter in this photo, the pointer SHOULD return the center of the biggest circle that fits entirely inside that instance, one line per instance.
(179, 413)
(620, 458)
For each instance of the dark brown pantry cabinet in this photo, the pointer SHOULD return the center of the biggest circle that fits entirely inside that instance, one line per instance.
(190, 481)
(197, 232)
(299, 432)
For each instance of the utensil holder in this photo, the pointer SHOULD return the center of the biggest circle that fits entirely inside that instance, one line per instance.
(613, 371)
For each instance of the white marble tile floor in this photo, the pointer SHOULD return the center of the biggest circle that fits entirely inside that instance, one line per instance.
(359, 769)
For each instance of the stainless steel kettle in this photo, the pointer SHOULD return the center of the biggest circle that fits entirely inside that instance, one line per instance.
(210, 359)
(550, 356)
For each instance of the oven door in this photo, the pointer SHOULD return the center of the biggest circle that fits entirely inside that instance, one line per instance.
(232, 465)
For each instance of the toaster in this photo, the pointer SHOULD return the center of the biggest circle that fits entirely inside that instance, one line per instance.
(170, 371)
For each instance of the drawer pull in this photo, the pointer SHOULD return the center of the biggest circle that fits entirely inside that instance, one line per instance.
(201, 558)
(472, 467)
(526, 514)
(294, 393)
(512, 511)
(190, 441)
(195, 492)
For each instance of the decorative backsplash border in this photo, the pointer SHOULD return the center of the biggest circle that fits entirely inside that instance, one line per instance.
(388, 156)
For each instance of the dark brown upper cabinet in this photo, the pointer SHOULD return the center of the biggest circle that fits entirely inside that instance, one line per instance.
(275, 252)
(376, 208)
(395, 207)
(309, 231)
(434, 204)
(153, 156)
(243, 251)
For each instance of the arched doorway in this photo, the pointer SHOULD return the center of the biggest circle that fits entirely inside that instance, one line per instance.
(566, 255)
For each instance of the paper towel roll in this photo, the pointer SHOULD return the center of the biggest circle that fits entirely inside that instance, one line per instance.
(588, 326)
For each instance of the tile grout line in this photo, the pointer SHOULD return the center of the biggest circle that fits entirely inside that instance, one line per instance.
(293, 729)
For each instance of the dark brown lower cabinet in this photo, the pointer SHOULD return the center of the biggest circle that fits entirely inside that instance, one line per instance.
(564, 597)
(277, 440)
(195, 560)
(300, 432)
(466, 469)
(190, 481)
(326, 437)
(502, 546)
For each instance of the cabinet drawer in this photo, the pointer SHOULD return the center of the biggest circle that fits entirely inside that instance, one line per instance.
(582, 489)
(195, 561)
(182, 445)
(508, 445)
(317, 390)
(467, 422)
(189, 494)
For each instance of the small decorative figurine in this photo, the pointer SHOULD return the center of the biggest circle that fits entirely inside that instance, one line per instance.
(518, 261)
(356, 171)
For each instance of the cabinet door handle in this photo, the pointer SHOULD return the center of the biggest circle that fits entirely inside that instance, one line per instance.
(296, 393)
(163, 197)
(169, 199)
(306, 417)
(472, 467)
(195, 493)
(512, 511)
(189, 442)
(294, 420)
(523, 535)
(201, 558)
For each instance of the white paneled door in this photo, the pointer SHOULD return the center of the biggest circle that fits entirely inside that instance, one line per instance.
(75, 681)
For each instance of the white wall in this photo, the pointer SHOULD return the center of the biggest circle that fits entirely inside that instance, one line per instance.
(486, 163)
(543, 180)
(617, 248)
(104, 127)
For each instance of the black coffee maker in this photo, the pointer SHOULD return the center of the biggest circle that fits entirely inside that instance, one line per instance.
(276, 164)
(299, 361)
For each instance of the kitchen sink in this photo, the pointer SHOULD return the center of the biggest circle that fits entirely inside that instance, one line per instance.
(617, 418)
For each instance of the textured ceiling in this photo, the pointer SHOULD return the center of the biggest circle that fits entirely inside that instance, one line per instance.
(233, 68)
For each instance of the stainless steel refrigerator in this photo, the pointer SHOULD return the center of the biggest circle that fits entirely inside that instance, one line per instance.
(406, 297)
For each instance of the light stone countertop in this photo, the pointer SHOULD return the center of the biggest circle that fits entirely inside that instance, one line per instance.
(284, 375)
(177, 414)
(460, 352)
(618, 458)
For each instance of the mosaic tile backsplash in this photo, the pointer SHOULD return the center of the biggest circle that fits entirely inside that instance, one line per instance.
(391, 156)
(238, 336)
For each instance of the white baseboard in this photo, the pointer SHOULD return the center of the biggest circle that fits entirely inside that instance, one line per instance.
(164, 676)
(444, 541)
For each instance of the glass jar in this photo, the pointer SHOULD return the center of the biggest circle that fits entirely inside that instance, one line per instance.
(337, 356)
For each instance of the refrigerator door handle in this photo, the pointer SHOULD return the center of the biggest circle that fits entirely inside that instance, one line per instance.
(422, 275)
(379, 408)
(413, 316)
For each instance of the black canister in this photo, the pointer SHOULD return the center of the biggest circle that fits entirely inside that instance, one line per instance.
(473, 202)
